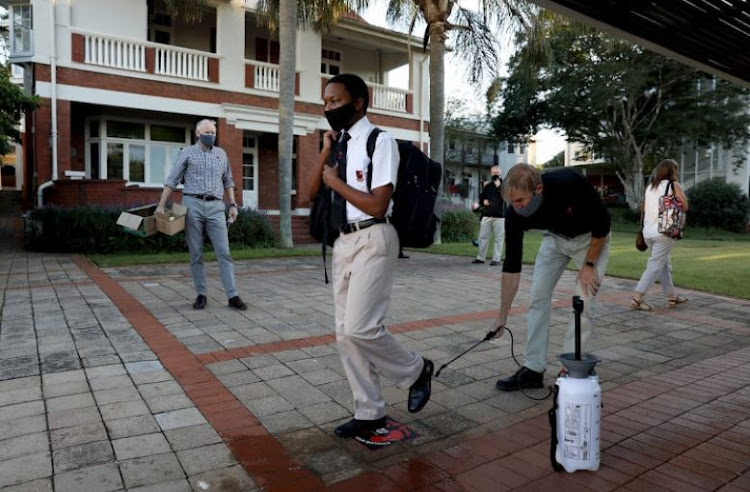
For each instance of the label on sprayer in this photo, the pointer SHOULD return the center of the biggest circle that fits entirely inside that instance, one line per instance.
(576, 438)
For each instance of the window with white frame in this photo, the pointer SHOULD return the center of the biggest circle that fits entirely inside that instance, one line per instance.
(20, 29)
(330, 62)
(139, 153)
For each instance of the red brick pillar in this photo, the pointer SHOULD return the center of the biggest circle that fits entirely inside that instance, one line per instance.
(41, 142)
(229, 138)
(63, 138)
(308, 149)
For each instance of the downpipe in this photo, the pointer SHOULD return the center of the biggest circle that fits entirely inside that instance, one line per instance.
(53, 98)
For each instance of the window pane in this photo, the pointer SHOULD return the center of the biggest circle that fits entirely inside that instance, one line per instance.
(137, 162)
(158, 157)
(173, 152)
(114, 161)
(94, 128)
(248, 172)
(167, 133)
(123, 129)
(21, 41)
(94, 153)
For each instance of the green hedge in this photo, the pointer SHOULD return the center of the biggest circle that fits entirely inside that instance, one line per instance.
(717, 204)
(458, 226)
(95, 230)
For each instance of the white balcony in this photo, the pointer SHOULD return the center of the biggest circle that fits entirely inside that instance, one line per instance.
(143, 56)
(265, 76)
(389, 98)
(111, 52)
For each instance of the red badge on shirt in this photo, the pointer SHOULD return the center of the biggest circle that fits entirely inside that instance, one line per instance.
(360, 176)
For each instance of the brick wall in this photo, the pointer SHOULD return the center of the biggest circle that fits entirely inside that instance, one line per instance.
(79, 192)
(229, 138)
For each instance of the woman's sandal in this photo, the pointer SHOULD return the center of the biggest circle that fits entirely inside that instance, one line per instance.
(641, 305)
(673, 301)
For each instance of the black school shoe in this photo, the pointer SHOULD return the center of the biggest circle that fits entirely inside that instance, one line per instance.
(361, 428)
(523, 378)
(200, 302)
(419, 392)
(237, 303)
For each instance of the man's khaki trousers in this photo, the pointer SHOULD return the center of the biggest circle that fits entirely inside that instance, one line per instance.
(363, 263)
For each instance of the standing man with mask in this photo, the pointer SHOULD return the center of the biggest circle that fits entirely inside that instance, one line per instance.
(364, 257)
(576, 227)
(204, 169)
(492, 227)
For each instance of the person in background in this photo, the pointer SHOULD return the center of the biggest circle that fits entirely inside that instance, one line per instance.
(576, 227)
(659, 264)
(205, 171)
(492, 227)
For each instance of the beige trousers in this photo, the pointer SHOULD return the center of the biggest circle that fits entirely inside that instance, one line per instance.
(363, 263)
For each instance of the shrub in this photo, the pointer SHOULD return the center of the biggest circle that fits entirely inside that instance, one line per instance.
(458, 226)
(95, 230)
(716, 203)
(251, 230)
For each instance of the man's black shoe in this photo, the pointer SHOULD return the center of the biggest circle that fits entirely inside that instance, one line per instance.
(523, 378)
(494, 263)
(419, 392)
(477, 261)
(200, 302)
(362, 428)
(237, 303)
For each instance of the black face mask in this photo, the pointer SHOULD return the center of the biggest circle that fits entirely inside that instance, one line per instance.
(340, 117)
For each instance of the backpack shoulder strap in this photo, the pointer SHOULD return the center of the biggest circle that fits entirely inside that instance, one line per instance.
(372, 139)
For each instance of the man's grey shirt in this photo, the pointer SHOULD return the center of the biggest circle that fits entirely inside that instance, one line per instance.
(204, 172)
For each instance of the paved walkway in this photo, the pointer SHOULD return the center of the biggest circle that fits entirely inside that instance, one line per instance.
(109, 380)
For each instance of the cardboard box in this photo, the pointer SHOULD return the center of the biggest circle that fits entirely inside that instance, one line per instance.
(173, 221)
(139, 221)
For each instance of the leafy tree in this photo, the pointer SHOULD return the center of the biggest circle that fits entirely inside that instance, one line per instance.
(13, 104)
(624, 103)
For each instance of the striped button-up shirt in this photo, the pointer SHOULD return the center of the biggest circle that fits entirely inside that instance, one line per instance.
(204, 172)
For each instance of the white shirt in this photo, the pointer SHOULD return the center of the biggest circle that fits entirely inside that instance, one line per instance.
(384, 165)
(651, 208)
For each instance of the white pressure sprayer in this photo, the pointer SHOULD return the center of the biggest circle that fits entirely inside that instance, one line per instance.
(575, 417)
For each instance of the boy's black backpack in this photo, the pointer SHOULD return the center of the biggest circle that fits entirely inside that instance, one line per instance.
(419, 178)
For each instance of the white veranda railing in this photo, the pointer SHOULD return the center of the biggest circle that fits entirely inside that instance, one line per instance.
(116, 53)
(389, 98)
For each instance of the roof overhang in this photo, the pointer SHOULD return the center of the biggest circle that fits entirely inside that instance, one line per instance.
(711, 35)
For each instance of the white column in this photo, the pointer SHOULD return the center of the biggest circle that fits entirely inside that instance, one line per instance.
(230, 44)
(309, 44)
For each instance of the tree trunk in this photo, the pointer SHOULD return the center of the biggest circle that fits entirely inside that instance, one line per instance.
(437, 104)
(287, 73)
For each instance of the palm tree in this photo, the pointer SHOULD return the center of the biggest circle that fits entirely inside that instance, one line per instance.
(472, 33)
(286, 15)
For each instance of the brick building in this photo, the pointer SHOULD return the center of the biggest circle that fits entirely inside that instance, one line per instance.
(123, 83)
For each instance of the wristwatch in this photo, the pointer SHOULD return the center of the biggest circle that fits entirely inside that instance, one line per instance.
(590, 263)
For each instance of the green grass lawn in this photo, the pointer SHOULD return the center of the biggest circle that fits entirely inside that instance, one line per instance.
(720, 266)
(711, 261)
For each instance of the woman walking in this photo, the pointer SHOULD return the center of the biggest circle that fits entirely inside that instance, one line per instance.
(659, 263)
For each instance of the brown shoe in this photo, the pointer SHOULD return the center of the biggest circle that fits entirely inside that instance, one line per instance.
(237, 303)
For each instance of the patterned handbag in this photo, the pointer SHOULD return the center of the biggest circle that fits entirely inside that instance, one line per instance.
(671, 215)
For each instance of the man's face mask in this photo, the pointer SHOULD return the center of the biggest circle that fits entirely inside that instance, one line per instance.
(496, 180)
(340, 117)
(207, 139)
(532, 207)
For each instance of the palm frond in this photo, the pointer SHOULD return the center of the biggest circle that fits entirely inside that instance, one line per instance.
(319, 15)
(473, 37)
(189, 10)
